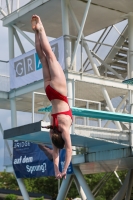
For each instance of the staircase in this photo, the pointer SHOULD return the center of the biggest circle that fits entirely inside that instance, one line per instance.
(117, 58)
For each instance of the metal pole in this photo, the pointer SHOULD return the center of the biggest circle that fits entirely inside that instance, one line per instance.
(130, 185)
(8, 6)
(11, 42)
(33, 102)
(85, 46)
(24, 35)
(81, 30)
(65, 30)
(117, 109)
(107, 66)
(73, 42)
(130, 38)
(83, 184)
(121, 194)
(19, 42)
(80, 189)
(118, 177)
(13, 108)
(66, 183)
(3, 12)
(17, 4)
(99, 120)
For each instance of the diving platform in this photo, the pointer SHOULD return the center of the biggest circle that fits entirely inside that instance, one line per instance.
(35, 133)
(101, 155)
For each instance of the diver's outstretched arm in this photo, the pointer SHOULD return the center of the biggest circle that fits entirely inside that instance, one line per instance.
(56, 162)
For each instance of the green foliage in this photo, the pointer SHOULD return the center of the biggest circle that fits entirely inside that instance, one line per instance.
(45, 185)
(100, 198)
(8, 181)
(41, 198)
(11, 197)
(49, 185)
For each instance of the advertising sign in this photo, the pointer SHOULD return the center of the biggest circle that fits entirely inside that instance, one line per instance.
(35, 160)
(27, 68)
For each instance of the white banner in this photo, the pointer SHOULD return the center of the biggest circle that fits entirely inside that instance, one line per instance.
(27, 68)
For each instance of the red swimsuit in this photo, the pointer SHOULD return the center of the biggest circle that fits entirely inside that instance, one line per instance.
(53, 94)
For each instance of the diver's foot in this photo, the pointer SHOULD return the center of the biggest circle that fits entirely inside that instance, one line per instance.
(36, 23)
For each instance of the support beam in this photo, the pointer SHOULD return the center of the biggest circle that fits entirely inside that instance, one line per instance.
(83, 184)
(19, 42)
(107, 66)
(3, 12)
(101, 183)
(11, 42)
(130, 38)
(80, 189)
(130, 185)
(121, 194)
(65, 30)
(66, 183)
(24, 35)
(118, 108)
(13, 109)
(8, 6)
(80, 31)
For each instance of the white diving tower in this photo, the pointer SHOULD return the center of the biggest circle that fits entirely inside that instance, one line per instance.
(95, 71)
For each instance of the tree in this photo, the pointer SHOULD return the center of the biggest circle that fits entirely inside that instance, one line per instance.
(49, 185)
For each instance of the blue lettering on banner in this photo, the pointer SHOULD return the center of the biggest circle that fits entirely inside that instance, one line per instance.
(38, 62)
(33, 160)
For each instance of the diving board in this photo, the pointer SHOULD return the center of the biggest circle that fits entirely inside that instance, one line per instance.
(35, 133)
(128, 81)
(82, 112)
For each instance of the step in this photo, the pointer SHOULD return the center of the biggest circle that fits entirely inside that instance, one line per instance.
(120, 71)
(123, 51)
(119, 64)
(120, 57)
(125, 44)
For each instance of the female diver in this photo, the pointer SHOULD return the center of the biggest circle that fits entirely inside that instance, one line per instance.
(56, 91)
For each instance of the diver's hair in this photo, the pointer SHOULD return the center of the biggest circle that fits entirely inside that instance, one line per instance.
(56, 137)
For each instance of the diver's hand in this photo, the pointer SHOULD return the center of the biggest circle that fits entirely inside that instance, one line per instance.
(58, 175)
(63, 174)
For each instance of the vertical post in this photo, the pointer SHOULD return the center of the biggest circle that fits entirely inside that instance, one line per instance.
(87, 118)
(73, 42)
(33, 102)
(130, 185)
(65, 30)
(83, 184)
(13, 108)
(18, 4)
(81, 29)
(8, 6)
(130, 38)
(99, 120)
(11, 42)
(66, 183)
(80, 189)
